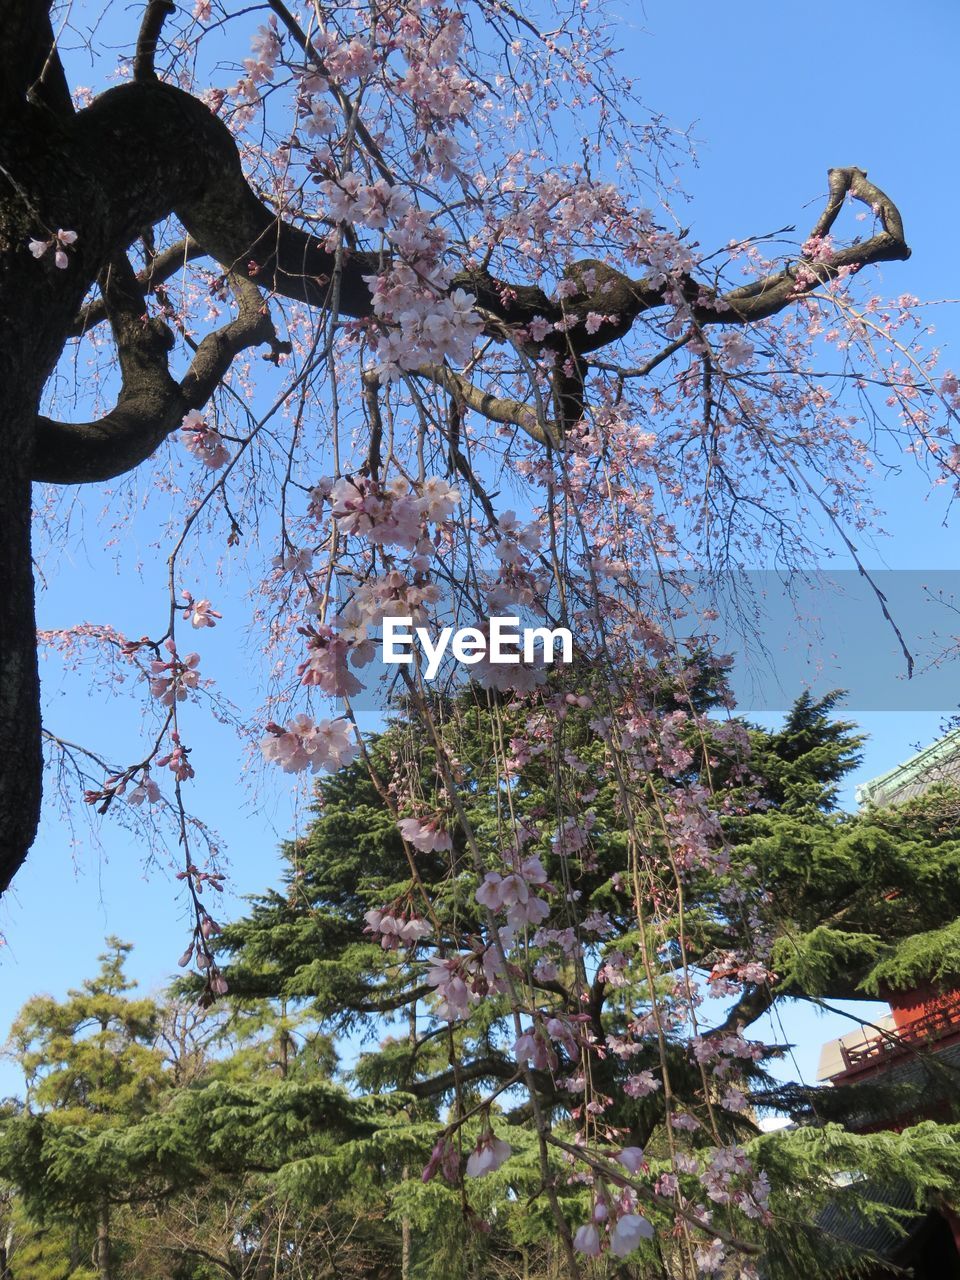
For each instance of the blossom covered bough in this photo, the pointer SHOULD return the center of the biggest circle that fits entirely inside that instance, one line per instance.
(497, 380)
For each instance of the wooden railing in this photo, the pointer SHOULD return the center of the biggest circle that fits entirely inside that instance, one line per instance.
(936, 1021)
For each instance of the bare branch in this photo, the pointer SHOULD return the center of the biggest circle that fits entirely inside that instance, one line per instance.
(159, 270)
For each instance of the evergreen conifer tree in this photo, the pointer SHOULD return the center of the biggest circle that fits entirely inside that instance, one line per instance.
(848, 906)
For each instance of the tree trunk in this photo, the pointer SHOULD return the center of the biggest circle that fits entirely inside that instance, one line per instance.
(39, 192)
(37, 301)
(406, 1239)
(20, 742)
(102, 1256)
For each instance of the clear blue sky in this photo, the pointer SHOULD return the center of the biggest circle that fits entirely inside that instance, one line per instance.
(777, 94)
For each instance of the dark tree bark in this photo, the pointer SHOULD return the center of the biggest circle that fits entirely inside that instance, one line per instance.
(33, 311)
(121, 166)
(103, 1253)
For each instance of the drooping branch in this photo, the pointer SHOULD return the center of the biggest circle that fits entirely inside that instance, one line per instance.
(343, 102)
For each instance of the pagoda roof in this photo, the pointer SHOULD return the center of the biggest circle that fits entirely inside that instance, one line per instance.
(939, 762)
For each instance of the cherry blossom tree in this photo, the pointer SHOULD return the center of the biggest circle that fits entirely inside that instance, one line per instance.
(500, 378)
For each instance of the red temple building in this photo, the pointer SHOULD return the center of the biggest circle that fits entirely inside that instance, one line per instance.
(916, 1045)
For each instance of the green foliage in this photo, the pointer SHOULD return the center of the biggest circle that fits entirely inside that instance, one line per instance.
(933, 956)
(846, 891)
(223, 1141)
(115, 1118)
(93, 1055)
(850, 1180)
(839, 896)
(37, 1251)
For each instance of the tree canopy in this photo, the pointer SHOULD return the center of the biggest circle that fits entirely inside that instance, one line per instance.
(350, 202)
(500, 380)
(232, 1116)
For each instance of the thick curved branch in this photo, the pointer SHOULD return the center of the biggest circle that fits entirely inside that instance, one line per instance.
(218, 350)
(134, 136)
(157, 150)
(204, 184)
(151, 403)
(854, 182)
(495, 408)
(148, 408)
(49, 87)
(391, 1003)
(26, 42)
(766, 297)
(491, 1067)
(752, 1004)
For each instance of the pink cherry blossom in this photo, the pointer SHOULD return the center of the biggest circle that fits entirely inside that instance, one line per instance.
(628, 1231)
(204, 442)
(438, 499)
(446, 975)
(394, 930)
(425, 835)
(641, 1084)
(534, 1048)
(326, 666)
(200, 612)
(305, 744)
(586, 1240)
(443, 1159)
(60, 242)
(171, 681)
(710, 1258)
(147, 790)
(489, 1155)
(177, 760)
